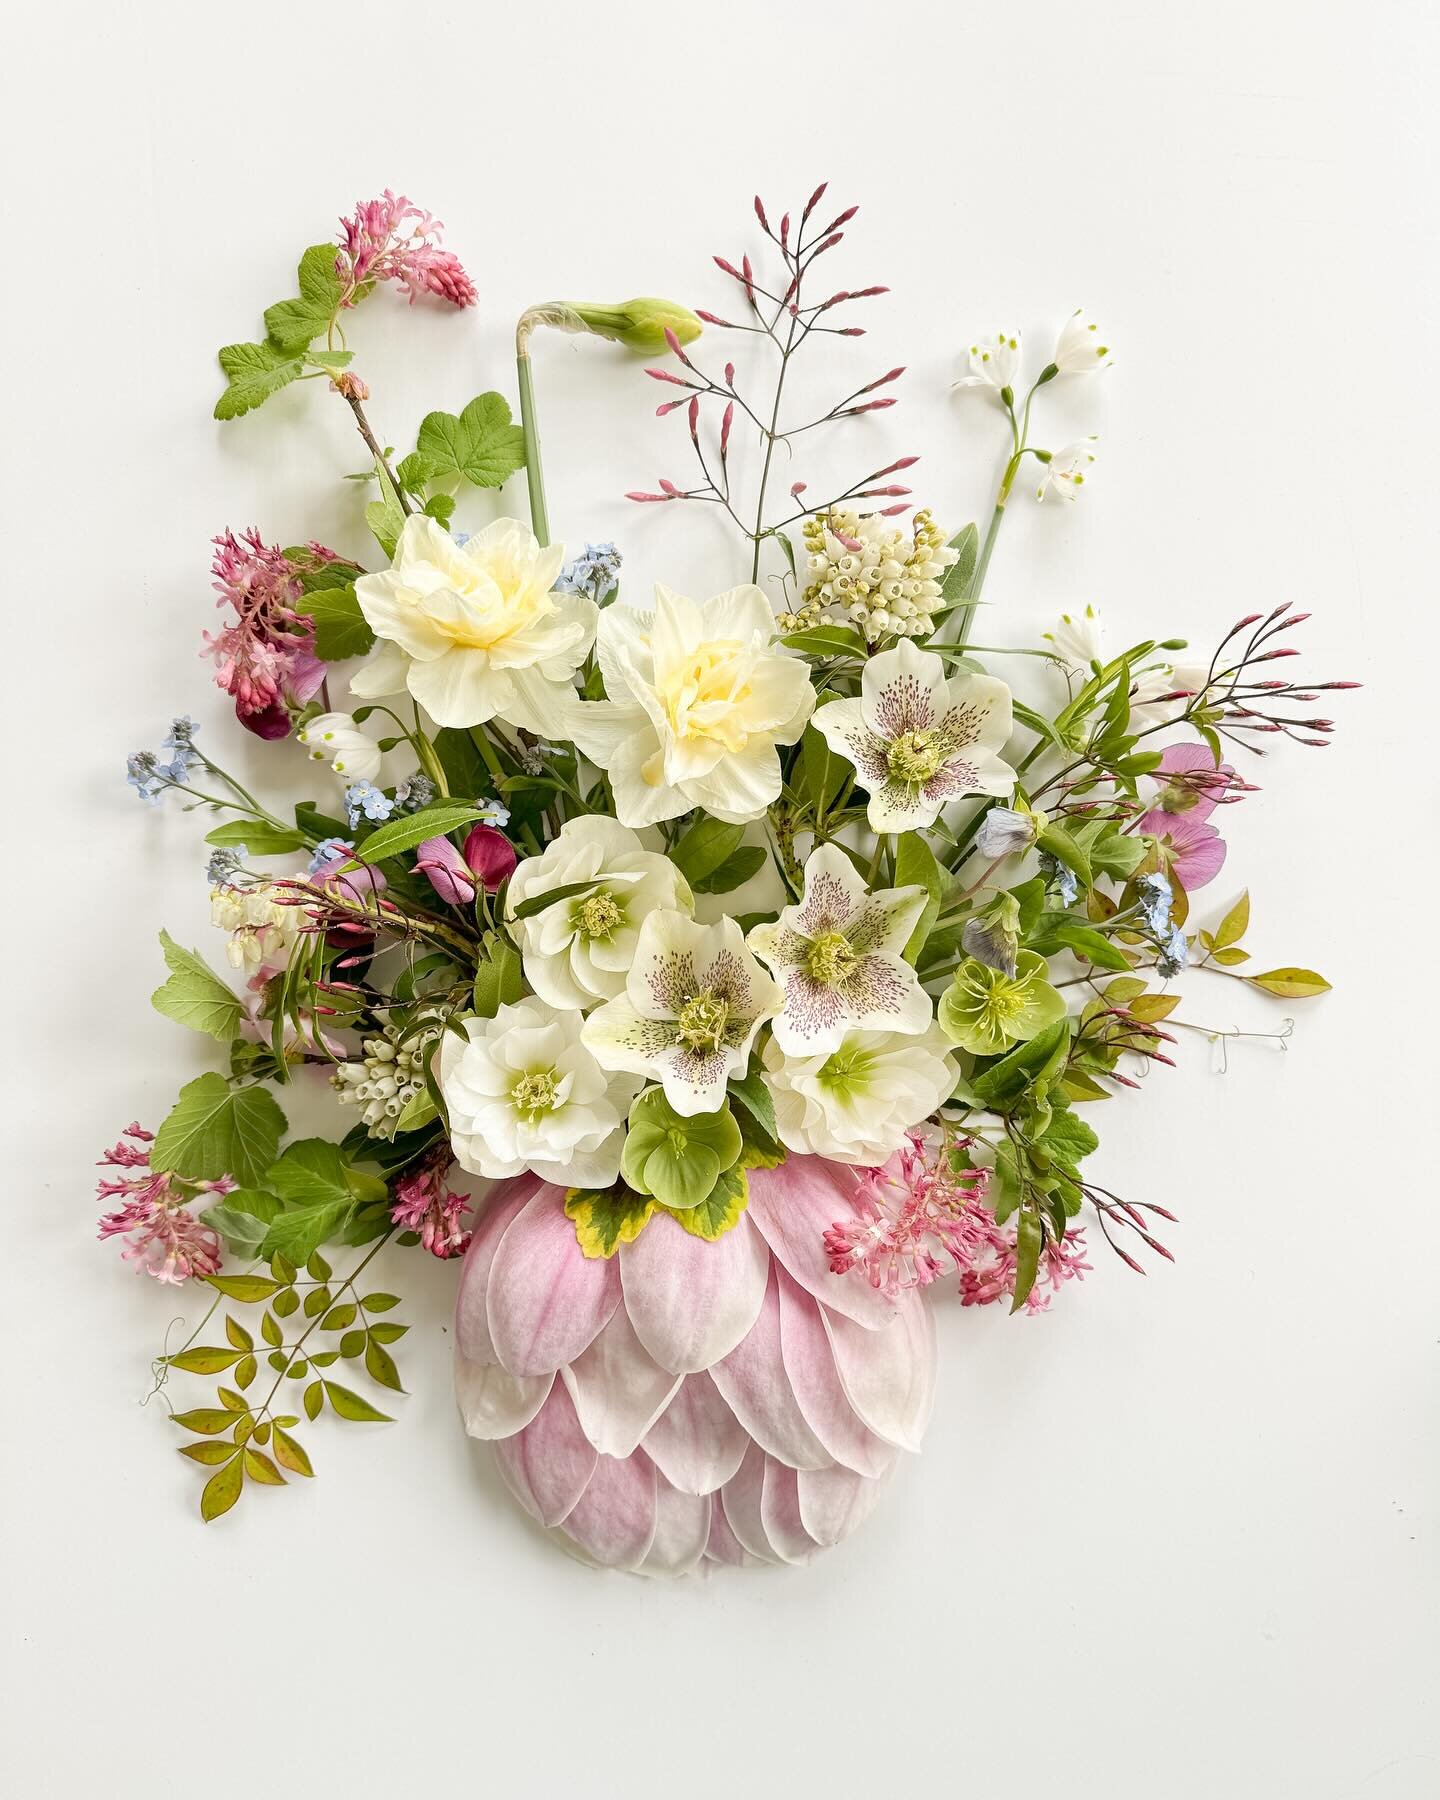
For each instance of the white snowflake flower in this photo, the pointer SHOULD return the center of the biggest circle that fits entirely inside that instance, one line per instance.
(994, 361)
(523, 1092)
(856, 1104)
(577, 952)
(837, 956)
(1078, 349)
(693, 1002)
(1067, 471)
(334, 737)
(1079, 638)
(918, 739)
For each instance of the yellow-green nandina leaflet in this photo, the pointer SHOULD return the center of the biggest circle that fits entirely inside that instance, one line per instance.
(606, 1218)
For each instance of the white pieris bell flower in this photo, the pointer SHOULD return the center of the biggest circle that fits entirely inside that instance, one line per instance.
(1079, 349)
(476, 632)
(994, 361)
(523, 1092)
(699, 697)
(1067, 470)
(334, 737)
(578, 951)
(856, 1103)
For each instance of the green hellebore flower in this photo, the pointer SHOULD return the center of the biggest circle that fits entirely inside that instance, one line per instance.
(676, 1159)
(639, 324)
(984, 1010)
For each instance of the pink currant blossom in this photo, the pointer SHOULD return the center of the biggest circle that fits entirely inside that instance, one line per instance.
(165, 1237)
(422, 1203)
(390, 239)
(265, 656)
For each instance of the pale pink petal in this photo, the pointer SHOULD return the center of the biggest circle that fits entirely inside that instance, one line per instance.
(741, 1499)
(494, 1403)
(780, 1514)
(689, 1300)
(618, 1388)
(697, 1443)
(682, 1530)
(888, 1376)
(810, 1367)
(547, 1465)
(546, 1301)
(791, 1207)
(724, 1546)
(753, 1383)
(614, 1520)
(833, 1502)
(472, 1329)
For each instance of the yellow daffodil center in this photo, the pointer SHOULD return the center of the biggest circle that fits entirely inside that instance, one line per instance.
(598, 915)
(534, 1094)
(830, 959)
(702, 1021)
(704, 693)
(914, 756)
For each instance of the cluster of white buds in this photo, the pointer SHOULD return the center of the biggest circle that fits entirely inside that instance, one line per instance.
(864, 571)
(388, 1077)
(262, 932)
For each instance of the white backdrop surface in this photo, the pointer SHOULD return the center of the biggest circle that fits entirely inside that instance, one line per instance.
(1175, 1539)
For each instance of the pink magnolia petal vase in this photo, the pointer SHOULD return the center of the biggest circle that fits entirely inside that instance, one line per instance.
(685, 1401)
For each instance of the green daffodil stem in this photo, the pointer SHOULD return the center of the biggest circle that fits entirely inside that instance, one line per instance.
(534, 474)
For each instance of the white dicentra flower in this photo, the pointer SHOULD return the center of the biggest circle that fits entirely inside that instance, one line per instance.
(699, 699)
(994, 361)
(476, 632)
(1067, 471)
(918, 739)
(577, 952)
(856, 1104)
(693, 1002)
(262, 932)
(1078, 349)
(334, 737)
(523, 1092)
(1079, 638)
(837, 956)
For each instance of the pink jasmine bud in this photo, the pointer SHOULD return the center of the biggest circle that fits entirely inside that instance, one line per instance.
(1294, 619)
(665, 375)
(670, 488)
(726, 422)
(851, 331)
(446, 871)
(785, 232)
(668, 407)
(673, 340)
(867, 293)
(760, 214)
(694, 416)
(730, 375)
(1270, 655)
(727, 268)
(637, 494)
(490, 855)
(829, 243)
(894, 512)
(711, 319)
(748, 274)
(849, 542)
(1249, 619)
(869, 406)
(893, 375)
(797, 489)
(844, 219)
(905, 462)
(887, 493)
(813, 201)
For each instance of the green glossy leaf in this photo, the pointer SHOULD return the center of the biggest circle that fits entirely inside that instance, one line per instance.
(704, 847)
(1029, 1237)
(956, 584)
(216, 1130)
(399, 835)
(823, 641)
(753, 1095)
(257, 837)
(915, 866)
(734, 872)
(194, 995)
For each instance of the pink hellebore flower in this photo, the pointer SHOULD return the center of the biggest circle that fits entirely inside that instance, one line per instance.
(683, 1400)
(1192, 786)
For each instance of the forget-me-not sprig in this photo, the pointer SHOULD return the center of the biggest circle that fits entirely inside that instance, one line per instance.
(1061, 878)
(181, 735)
(1155, 898)
(416, 793)
(221, 866)
(327, 851)
(363, 800)
(1174, 953)
(142, 773)
(594, 573)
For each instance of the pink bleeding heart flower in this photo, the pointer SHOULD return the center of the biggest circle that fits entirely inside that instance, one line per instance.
(491, 855)
(686, 1401)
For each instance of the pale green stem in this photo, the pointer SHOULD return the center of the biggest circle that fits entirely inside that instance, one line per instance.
(534, 474)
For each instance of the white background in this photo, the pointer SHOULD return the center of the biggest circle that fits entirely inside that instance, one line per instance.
(1177, 1538)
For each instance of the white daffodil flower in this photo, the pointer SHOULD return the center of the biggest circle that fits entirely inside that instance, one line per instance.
(1078, 349)
(334, 737)
(699, 697)
(523, 1092)
(994, 361)
(837, 957)
(1067, 471)
(476, 632)
(578, 951)
(919, 739)
(694, 999)
(1079, 638)
(856, 1104)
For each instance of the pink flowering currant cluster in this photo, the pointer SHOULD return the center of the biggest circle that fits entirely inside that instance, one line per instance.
(917, 1211)
(264, 656)
(422, 1203)
(390, 239)
(164, 1236)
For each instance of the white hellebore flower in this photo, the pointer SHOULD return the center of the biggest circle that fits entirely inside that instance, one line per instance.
(693, 1002)
(334, 737)
(523, 1092)
(1067, 470)
(577, 952)
(1079, 639)
(918, 739)
(837, 956)
(994, 361)
(476, 632)
(699, 699)
(856, 1104)
(1078, 350)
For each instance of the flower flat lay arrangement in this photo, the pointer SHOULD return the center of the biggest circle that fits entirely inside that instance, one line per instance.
(706, 975)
